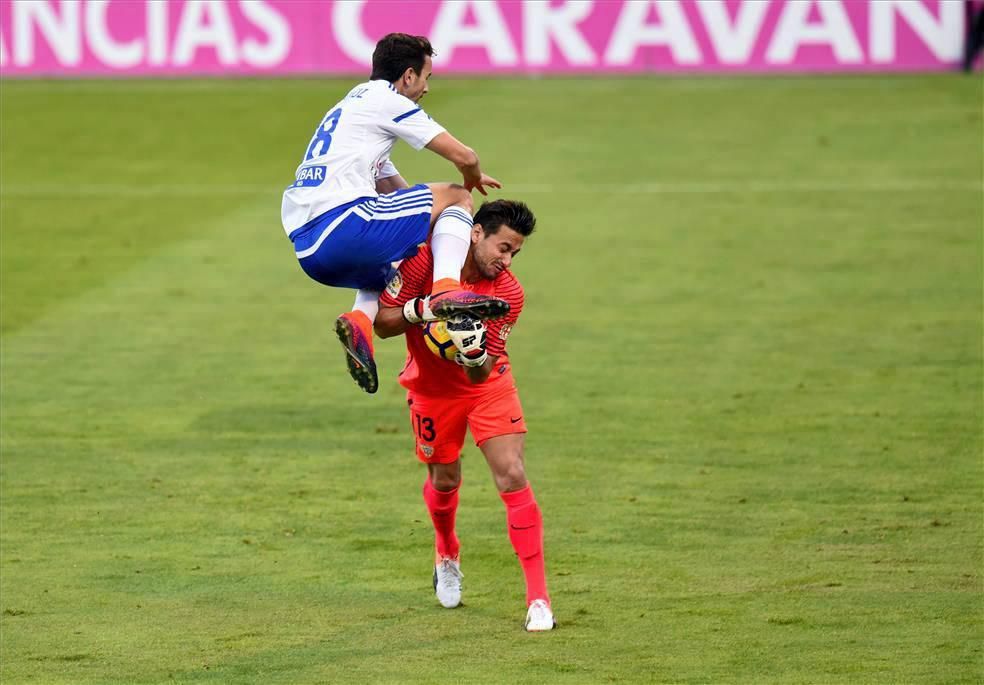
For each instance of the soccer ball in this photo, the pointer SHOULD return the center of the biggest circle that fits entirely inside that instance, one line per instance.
(438, 341)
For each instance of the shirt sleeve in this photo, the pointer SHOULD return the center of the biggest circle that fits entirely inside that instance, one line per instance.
(497, 331)
(386, 169)
(408, 121)
(410, 280)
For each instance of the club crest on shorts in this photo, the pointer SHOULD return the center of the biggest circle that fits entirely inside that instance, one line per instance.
(426, 450)
(395, 285)
(505, 331)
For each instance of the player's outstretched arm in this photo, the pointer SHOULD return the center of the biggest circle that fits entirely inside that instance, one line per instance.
(465, 159)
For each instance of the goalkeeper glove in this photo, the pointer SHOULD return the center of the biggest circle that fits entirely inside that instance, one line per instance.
(468, 335)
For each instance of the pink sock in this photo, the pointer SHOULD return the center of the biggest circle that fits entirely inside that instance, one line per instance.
(442, 507)
(526, 535)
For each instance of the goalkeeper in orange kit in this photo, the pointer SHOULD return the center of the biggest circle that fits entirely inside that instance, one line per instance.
(478, 392)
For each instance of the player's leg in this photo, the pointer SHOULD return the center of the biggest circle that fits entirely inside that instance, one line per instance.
(451, 217)
(354, 246)
(498, 427)
(354, 331)
(333, 250)
(441, 497)
(439, 429)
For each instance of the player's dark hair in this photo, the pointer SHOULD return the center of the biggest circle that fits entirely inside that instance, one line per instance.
(397, 52)
(495, 214)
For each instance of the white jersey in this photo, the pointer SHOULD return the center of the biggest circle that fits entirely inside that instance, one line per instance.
(350, 150)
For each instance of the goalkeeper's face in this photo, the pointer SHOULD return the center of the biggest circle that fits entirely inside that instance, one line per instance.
(494, 253)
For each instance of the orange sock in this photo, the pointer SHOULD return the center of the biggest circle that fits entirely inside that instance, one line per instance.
(525, 525)
(442, 506)
(446, 284)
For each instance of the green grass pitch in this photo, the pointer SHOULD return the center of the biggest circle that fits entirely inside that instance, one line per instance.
(750, 362)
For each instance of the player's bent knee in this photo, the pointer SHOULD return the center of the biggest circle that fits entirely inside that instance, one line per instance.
(451, 195)
(463, 199)
(447, 188)
(445, 479)
(445, 484)
(463, 202)
(511, 478)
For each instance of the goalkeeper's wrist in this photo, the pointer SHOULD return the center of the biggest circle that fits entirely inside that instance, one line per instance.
(418, 310)
(471, 362)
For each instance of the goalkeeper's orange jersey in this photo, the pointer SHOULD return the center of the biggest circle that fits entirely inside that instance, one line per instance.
(425, 372)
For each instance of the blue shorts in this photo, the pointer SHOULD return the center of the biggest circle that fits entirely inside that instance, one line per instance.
(355, 244)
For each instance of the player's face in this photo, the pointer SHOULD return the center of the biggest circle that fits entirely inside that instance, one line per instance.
(415, 85)
(494, 253)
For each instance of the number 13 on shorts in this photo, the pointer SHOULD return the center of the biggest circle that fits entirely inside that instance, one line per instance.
(439, 424)
(425, 427)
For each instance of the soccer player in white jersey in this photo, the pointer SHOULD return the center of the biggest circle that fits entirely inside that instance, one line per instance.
(351, 215)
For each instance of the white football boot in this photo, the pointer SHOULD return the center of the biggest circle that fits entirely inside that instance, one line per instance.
(539, 617)
(447, 582)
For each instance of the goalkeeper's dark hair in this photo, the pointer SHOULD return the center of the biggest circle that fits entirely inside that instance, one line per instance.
(397, 52)
(516, 215)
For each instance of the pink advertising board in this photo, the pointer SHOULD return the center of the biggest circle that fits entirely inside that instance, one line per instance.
(70, 38)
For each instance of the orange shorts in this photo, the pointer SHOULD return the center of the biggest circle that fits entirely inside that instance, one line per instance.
(438, 424)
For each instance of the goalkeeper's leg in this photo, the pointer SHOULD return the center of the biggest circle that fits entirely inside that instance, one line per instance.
(441, 498)
(504, 454)
(438, 426)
